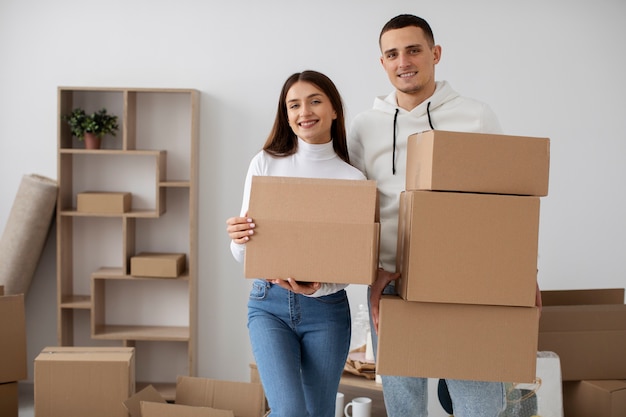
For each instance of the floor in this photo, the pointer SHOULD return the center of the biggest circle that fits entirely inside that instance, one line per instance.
(26, 408)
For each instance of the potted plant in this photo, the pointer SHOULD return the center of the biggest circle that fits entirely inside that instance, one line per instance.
(91, 127)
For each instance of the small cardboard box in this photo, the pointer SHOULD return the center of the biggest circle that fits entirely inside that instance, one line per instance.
(159, 265)
(457, 341)
(245, 399)
(588, 332)
(316, 230)
(9, 399)
(477, 162)
(103, 202)
(604, 398)
(84, 381)
(468, 248)
(149, 409)
(13, 365)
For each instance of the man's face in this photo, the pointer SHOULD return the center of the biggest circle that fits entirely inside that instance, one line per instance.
(409, 60)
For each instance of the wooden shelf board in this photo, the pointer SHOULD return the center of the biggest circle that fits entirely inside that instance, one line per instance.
(77, 302)
(154, 333)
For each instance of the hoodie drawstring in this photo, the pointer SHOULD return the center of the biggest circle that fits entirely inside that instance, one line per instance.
(393, 160)
(395, 125)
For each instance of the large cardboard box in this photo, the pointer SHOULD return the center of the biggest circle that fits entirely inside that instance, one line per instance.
(468, 248)
(158, 265)
(316, 230)
(103, 202)
(13, 338)
(84, 381)
(589, 335)
(478, 162)
(9, 399)
(458, 341)
(606, 398)
(245, 399)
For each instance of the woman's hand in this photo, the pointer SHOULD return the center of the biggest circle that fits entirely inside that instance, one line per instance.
(305, 288)
(240, 229)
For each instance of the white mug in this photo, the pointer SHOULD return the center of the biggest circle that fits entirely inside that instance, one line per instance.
(361, 407)
(339, 405)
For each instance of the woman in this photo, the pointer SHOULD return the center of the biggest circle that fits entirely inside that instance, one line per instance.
(300, 332)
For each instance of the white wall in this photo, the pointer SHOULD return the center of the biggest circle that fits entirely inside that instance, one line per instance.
(550, 69)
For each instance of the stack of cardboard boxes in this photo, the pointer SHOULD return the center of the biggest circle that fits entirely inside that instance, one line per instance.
(467, 254)
(12, 351)
(587, 329)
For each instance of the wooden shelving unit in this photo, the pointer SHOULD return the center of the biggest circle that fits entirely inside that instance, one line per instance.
(154, 156)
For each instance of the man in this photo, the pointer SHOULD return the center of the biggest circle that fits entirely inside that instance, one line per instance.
(378, 141)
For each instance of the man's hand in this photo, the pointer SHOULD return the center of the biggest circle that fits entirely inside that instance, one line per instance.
(376, 292)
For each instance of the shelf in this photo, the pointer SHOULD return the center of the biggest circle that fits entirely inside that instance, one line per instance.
(76, 302)
(132, 214)
(154, 158)
(117, 273)
(154, 333)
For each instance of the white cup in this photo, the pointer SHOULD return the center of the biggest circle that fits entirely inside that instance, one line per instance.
(361, 407)
(339, 405)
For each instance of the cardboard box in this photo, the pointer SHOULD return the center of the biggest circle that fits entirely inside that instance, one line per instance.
(84, 381)
(245, 399)
(606, 398)
(149, 409)
(158, 265)
(468, 248)
(316, 230)
(590, 338)
(478, 162)
(103, 202)
(457, 341)
(9, 399)
(13, 365)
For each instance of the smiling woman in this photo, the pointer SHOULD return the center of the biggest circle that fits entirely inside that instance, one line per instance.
(300, 331)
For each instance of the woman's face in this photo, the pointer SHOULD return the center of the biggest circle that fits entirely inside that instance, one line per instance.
(310, 112)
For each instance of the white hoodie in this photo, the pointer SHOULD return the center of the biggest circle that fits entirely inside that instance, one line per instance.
(371, 146)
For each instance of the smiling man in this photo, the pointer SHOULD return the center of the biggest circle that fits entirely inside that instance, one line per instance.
(377, 145)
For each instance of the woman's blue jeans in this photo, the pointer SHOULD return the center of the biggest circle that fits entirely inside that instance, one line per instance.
(300, 345)
(408, 396)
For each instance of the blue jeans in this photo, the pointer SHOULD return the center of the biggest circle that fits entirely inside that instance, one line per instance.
(300, 345)
(408, 396)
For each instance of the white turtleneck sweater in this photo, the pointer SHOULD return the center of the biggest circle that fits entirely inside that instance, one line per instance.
(310, 161)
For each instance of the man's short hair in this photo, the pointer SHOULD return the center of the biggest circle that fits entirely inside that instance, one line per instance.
(405, 20)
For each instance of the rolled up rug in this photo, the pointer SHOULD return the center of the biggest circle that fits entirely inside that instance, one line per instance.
(26, 231)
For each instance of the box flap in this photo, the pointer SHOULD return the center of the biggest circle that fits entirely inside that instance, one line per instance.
(609, 385)
(148, 394)
(245, 399)
(313, 200)
(150, 409)
(579, 297)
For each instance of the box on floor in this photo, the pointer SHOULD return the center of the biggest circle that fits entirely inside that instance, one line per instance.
(316, 230)
(605, 398)
(587, 329)
(468, 248)
(212, 398)
(9, 399)
(458, 341)
(84, 381)
(478, 162)
(13, 366)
